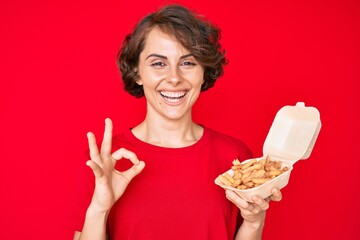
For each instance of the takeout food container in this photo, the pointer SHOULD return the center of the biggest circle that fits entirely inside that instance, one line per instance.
(291, 137)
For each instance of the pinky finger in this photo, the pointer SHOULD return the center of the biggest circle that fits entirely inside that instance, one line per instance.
(276, 195)
(95, 168)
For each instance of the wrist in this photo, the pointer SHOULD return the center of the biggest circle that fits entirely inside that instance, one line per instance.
(255, 225)
(251, 229)
(94, 210)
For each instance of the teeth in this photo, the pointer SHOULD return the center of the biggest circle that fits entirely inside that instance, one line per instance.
(173, 96)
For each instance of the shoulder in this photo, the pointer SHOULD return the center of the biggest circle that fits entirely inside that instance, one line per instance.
(224, 142)
(123, 139)
(224, 138)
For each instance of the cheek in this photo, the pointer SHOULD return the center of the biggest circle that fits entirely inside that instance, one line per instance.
(195, 77)
(200, 77)
(150, 75)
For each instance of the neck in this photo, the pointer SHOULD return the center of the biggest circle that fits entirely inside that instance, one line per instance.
(173, 133)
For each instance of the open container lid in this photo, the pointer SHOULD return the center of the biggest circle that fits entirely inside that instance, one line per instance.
(293, 133)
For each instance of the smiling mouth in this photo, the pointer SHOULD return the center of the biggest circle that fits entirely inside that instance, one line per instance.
(173, 96)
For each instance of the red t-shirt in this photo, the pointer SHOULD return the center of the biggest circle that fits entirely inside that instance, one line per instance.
(174, 197)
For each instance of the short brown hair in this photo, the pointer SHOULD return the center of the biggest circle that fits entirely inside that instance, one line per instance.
(195, 33)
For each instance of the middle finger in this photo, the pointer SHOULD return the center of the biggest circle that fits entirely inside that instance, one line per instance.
(106, 144)
(261, 203)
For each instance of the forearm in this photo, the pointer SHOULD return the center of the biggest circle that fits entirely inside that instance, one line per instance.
(250, 230)
(94, 225)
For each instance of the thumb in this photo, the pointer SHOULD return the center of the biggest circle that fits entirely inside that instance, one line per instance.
(134, 170)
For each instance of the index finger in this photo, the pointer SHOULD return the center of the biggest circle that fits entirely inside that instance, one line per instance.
(236, 199)
(107, 140)
(122, 152)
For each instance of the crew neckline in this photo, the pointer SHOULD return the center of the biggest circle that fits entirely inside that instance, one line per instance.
(168, 150)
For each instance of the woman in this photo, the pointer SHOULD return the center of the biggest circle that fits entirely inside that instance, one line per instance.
(171, 56)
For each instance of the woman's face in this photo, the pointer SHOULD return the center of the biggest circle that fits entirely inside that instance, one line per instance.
(170, 75)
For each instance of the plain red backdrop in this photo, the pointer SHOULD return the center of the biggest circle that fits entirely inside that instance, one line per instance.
(59, 80)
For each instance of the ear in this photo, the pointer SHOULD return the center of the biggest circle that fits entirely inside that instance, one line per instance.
(139, 81)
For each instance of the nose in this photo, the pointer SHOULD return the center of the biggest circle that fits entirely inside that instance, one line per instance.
(174, 76)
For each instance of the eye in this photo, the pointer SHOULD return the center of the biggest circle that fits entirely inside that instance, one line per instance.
(188, 63)
(158, 64)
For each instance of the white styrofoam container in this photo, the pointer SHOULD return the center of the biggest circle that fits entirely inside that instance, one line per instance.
(291, 137)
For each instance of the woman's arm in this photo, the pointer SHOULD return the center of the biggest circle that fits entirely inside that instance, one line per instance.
(94, 226)
(250, 231)
(253, 214)
(110, 184)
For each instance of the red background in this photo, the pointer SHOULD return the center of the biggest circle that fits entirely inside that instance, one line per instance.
(59, 80)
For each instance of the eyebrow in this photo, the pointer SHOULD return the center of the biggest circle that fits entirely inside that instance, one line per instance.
(164, 57)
